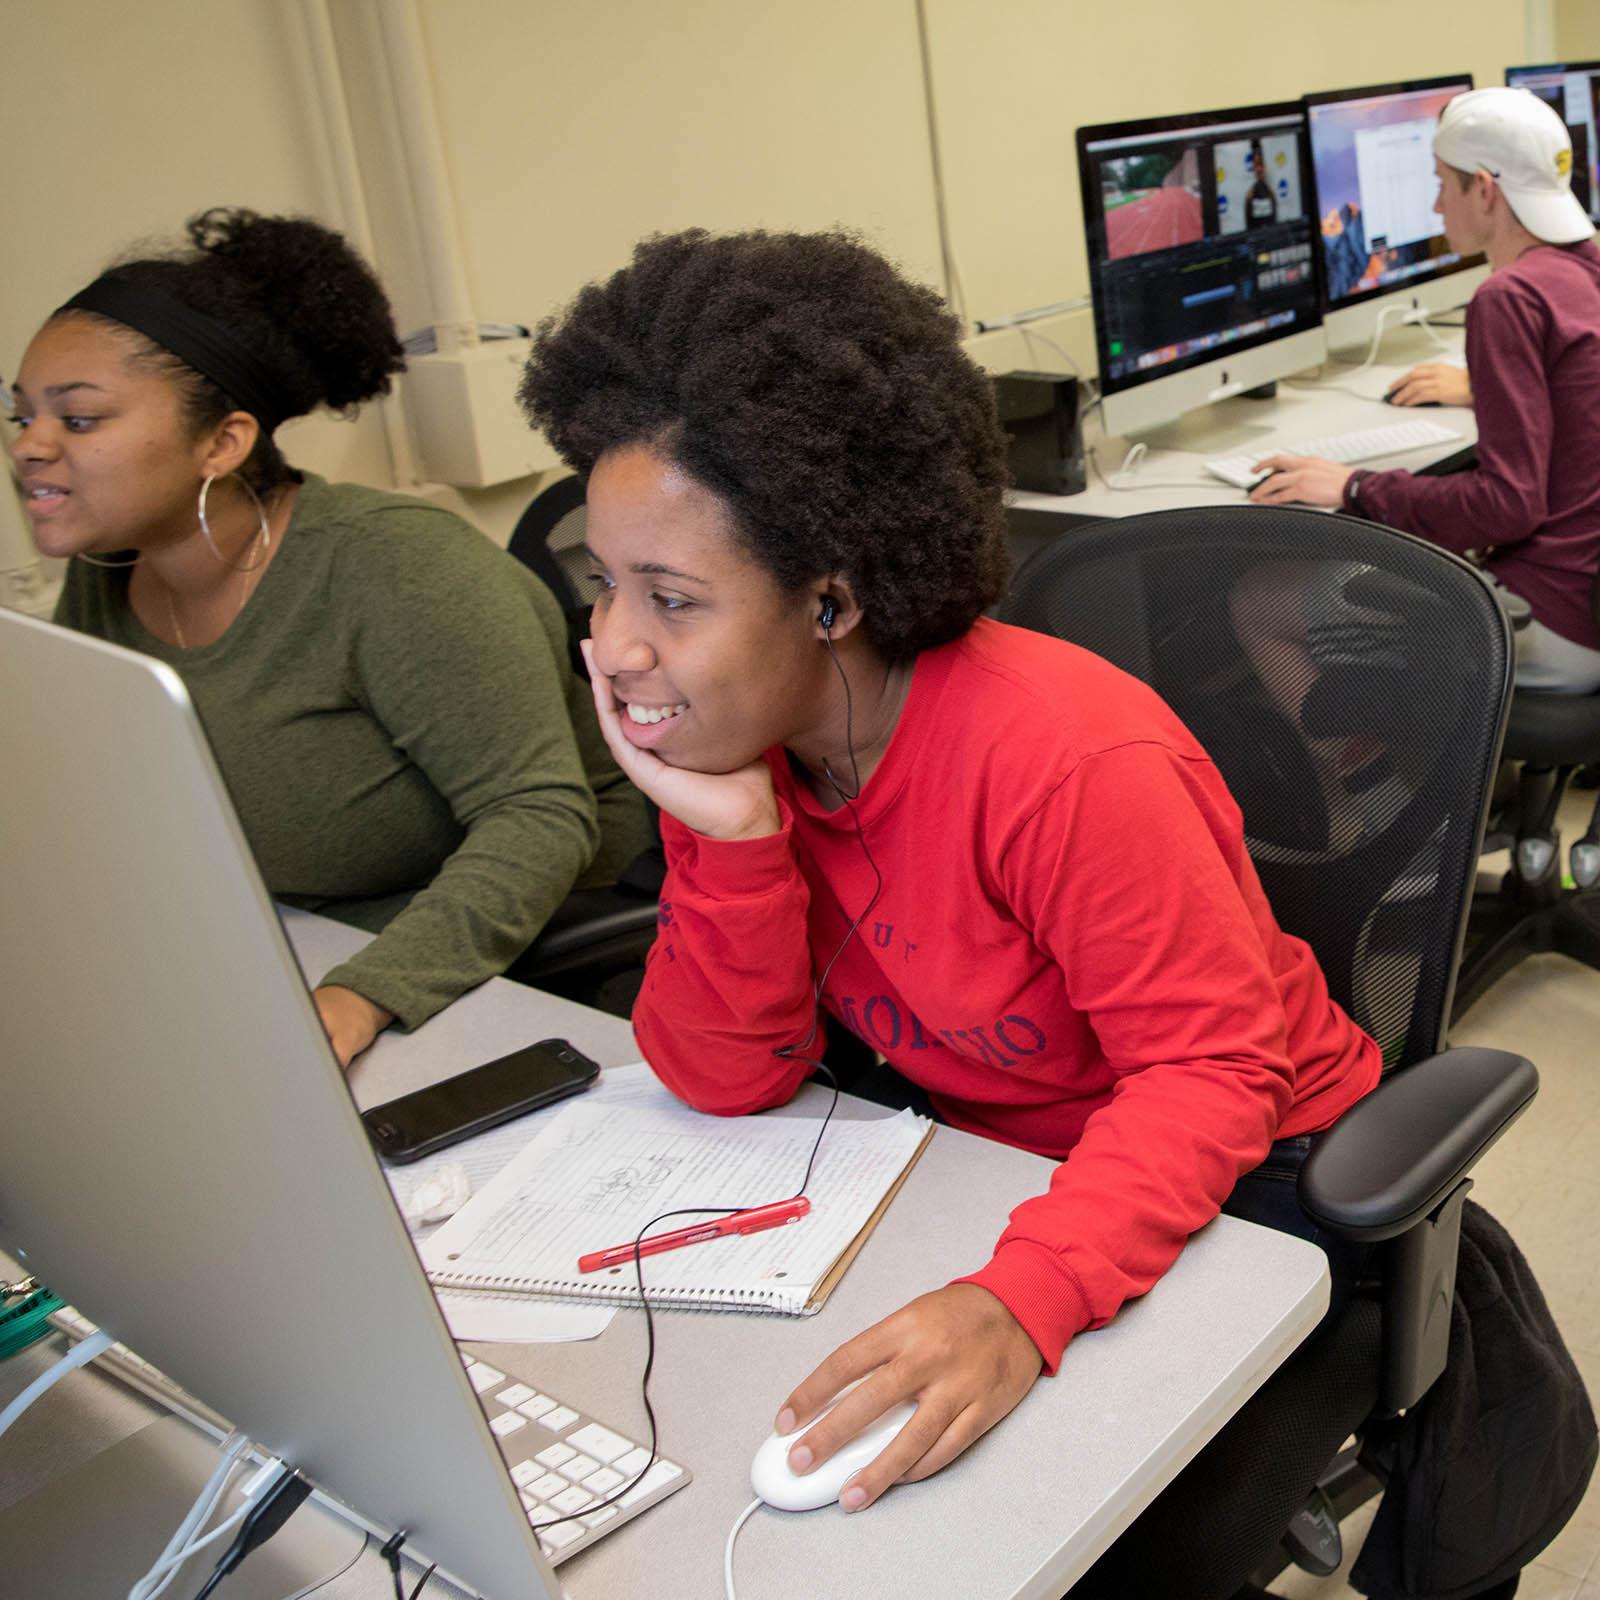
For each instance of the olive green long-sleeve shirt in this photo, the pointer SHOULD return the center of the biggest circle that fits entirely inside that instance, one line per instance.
(398, 723)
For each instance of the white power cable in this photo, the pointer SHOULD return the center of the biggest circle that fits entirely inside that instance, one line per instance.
(1029, 334)
(79, 1355)
(168, 1570)
(161, 1570)
(1409, 316)
(727, 1554)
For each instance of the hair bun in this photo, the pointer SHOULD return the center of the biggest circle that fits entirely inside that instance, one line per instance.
(300, 292)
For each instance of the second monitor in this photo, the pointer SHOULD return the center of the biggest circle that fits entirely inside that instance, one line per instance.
(1383, 244)
(1200, 258)
(1573, 93)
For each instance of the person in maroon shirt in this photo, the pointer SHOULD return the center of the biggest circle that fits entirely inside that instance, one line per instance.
(1531, 508)
(997, 859)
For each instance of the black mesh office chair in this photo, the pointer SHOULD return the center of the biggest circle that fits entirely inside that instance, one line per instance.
(547, 540)
(598, 938)
(1552, 735)
(1351, 684)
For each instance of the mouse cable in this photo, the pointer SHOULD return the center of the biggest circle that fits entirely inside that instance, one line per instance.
(788, 1052)
(333, 1577)
(727, 1554)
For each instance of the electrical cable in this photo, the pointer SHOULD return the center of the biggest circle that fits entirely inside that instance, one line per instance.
(79, 1355)
(169, 1569)
(333, 1577)
(390, 1551)
(1122, 479)
(1029, 334)
(279, 1500)
(204, 1503)
(1407, 315)
(727, 1554)
(788, 1052)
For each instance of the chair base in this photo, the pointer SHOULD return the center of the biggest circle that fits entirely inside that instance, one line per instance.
(1347, 1485)
(1506, 927)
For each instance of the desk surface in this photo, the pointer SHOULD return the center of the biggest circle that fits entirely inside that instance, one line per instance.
(1172, 474)
(1021, 1514)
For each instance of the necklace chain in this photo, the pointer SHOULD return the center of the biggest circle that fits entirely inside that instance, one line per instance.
(260, 541)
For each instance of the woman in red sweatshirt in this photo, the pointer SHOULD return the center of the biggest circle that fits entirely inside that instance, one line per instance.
(794, 508)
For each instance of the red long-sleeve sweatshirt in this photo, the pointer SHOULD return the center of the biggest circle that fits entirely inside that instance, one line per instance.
(1071, 953)
(1533, 353)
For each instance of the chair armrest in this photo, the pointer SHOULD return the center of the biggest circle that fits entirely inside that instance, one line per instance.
(1397, 1154)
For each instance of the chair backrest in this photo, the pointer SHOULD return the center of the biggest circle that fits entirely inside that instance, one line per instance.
(531, 544)
(1351, 683)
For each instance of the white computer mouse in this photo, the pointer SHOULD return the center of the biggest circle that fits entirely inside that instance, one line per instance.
(774, 1482)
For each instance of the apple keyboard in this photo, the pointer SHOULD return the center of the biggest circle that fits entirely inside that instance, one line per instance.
(1364, 444)
(563, 1462)
(566, 1465)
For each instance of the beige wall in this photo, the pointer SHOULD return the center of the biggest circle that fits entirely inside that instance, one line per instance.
(1577, 30)
(125, 119)
(571, 130)
(584, 127)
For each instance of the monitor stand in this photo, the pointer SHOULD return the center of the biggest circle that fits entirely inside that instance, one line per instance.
(94, 1531)
(1233, 427)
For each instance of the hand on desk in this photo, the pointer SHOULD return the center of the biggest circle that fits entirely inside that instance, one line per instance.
(1432, 384)
(720, 805)
(350, 1020)
(1300, 480)
(958, 1352)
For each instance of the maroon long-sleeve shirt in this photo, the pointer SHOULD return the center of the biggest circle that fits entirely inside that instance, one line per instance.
(1533, 352)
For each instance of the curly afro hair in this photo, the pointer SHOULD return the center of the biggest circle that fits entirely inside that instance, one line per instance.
(823, 396)
(292, 290)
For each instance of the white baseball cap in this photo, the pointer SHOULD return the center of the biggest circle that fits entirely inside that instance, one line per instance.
(1520, 142)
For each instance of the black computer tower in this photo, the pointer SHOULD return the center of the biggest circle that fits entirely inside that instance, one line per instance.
(1039, 410)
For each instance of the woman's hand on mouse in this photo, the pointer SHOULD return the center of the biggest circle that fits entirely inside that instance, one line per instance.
(720, 805)
(1432, 384)
(958, 1352)
(1300, 480)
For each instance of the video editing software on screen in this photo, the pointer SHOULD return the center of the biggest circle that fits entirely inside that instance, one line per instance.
(1199, 237)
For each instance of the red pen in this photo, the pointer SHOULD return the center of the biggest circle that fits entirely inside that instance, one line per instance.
(751, 1221)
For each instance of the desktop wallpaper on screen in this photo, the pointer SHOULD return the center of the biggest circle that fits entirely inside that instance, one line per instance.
(1375, 191)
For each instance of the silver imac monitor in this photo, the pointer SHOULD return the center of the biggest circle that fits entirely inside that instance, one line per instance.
(1200, 258)
(179, 1154)
(1573, 92)
(1383, 244)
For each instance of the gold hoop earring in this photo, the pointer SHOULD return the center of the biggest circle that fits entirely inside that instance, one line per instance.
(263, 534)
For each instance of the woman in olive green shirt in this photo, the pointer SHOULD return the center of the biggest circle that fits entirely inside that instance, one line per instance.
(388, 695)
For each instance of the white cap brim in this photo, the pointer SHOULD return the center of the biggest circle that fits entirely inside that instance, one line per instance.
(1553, 218)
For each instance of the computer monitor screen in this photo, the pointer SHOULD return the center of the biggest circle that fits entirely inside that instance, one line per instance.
(1573, 93)
(1200, 251)
(1372, 156)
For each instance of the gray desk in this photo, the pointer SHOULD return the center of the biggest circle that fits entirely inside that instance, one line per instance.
(1172, 474)
(1021, 1514)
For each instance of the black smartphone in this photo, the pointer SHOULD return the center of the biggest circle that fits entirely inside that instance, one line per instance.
(455, 1108)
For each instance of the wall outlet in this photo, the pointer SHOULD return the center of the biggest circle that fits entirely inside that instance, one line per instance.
(464, 415)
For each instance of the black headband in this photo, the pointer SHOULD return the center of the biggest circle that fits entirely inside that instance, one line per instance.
(195, 339)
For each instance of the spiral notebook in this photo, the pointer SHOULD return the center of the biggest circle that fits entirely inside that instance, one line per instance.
(595, 1174)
